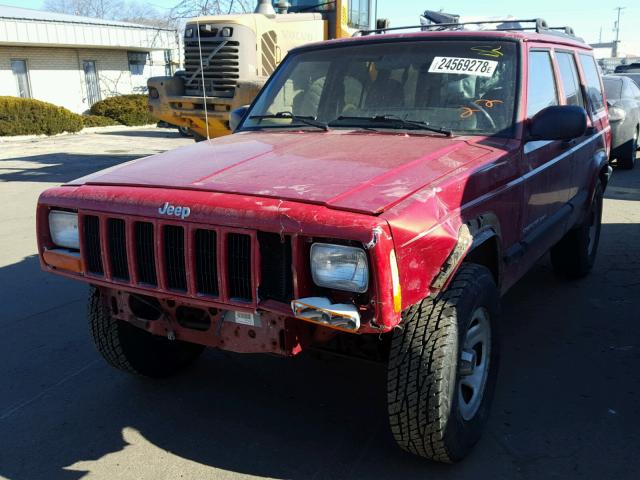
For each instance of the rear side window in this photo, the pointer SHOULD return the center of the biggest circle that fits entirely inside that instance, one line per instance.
(592, 79)
(569, 77)
(541, 88)
(613, 88)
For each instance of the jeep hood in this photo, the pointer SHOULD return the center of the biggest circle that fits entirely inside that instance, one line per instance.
(357, 171)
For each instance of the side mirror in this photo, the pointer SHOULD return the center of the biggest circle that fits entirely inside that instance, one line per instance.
(561, 122)
(236, 116)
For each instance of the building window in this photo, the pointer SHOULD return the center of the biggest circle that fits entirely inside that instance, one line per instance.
(91, 81)
(21, 74)
(137, 61)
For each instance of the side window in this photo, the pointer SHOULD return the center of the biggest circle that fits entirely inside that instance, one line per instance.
(592, 79)
(613, 88)
(569, 77)
(21, 74)
(541, 88)
(137, 61)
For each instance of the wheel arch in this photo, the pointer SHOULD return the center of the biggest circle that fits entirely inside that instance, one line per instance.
(604, 171)
(479, 241)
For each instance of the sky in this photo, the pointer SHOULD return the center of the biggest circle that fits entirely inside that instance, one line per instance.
(587, 17)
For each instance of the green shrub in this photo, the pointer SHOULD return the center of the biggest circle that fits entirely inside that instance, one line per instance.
(97, 121)
(25, 116)
(126, 109)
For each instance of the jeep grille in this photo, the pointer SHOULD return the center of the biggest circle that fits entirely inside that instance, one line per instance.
(206, 262)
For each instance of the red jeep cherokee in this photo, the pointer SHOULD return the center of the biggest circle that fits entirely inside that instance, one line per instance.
(378, 197)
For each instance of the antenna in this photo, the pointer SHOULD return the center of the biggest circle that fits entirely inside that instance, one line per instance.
(204, 91)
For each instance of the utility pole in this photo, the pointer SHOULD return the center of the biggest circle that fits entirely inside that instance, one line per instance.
(617, 40)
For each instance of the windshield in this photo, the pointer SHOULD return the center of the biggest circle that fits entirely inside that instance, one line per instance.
(296, 6)
(462, 86)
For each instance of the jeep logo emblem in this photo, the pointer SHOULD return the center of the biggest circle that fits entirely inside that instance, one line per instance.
(168, 209)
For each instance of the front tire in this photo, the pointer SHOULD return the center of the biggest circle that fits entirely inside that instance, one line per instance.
(185, 132)
(573, 256)
(198, 138)
(134, 350)
(443, 368)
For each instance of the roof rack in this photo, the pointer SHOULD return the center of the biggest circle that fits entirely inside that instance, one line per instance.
(539, 26)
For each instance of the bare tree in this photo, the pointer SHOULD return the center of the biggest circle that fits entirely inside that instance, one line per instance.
(145, 14)
(141, 12)
(195, 8)
(87, 8)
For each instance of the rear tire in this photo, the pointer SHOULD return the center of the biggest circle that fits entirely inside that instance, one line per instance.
(134, 350)
(573, 256)
(446, 344)
(629, 151)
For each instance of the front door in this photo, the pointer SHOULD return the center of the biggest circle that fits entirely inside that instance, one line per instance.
(91, 81)
(549, 173)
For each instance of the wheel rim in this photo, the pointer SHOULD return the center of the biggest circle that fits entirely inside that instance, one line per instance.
(593, 225)
(474, 364)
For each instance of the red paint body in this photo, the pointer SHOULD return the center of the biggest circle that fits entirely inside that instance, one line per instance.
(415, 190)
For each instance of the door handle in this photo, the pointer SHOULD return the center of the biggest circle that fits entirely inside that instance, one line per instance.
(567, 144)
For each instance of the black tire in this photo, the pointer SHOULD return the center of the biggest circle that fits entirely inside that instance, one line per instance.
(424, 376)
(628, 153)
(134, 350)
(198, 138)
(185, 132)
(573, 256)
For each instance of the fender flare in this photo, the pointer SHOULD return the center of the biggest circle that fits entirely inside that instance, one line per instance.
(471, 235)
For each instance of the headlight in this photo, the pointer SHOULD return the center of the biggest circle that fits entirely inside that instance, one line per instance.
(63, 227)
(616, 114)
(339, 267)
(226, 32)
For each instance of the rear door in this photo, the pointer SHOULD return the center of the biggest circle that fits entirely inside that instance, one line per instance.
(599, 131)
(580, 150)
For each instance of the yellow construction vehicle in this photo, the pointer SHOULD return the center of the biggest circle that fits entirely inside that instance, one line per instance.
(228, 58)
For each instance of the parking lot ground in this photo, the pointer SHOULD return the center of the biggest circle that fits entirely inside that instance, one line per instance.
(565, 406)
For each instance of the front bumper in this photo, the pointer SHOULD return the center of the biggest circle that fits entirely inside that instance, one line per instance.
(173, 106)
(226, 215)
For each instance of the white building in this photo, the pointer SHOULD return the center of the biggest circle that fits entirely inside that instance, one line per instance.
(75, 61)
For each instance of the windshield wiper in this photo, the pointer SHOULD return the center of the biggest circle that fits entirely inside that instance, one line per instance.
(417, 124)
(307, 120)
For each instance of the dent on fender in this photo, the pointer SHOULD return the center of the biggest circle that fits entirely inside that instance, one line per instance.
(451, 264)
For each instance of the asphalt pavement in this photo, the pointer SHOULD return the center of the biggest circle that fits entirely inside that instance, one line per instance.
(566, 405)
